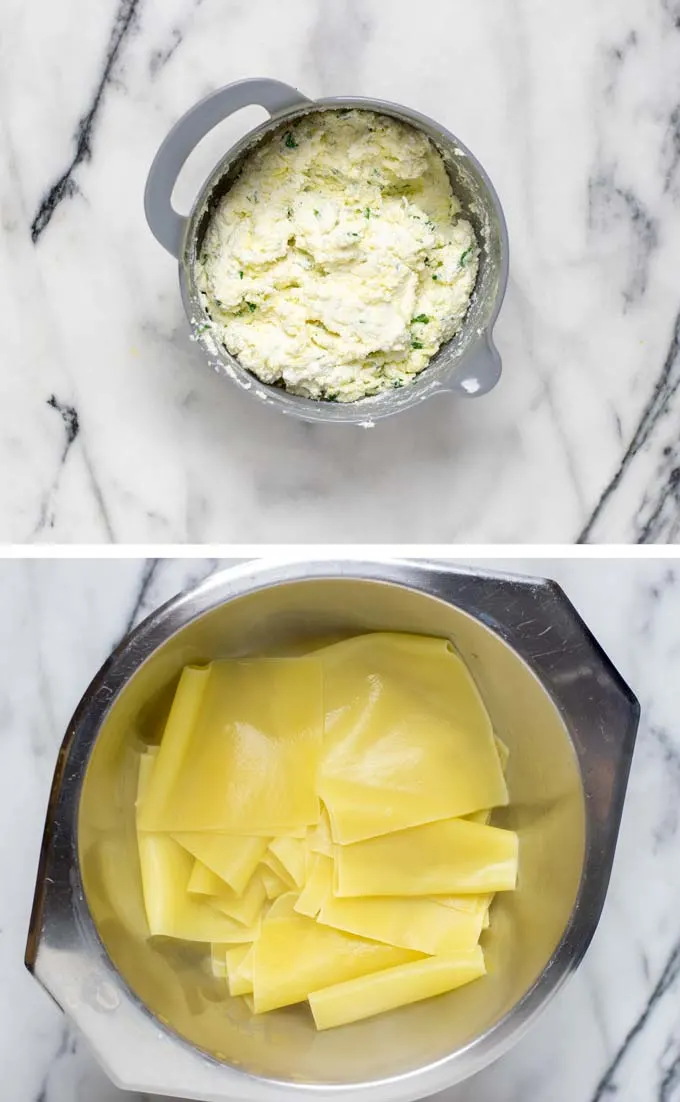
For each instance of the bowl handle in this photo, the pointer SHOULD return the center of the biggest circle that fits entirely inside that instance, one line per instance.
(165, 223)
(480, 370)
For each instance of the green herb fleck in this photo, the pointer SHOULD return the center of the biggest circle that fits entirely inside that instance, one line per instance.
(251, 306)
(353, 234)
(435, 278)
(464, 257)
(416, 344)
(240, 275)
(367, 212)
(203, 326)
(427, 261)
(316, 212)
(397, 383)
(289, 141)
(289, 212)
(422, 319)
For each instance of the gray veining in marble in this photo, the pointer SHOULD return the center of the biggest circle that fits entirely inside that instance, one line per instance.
(111, 427)
(613, 1032)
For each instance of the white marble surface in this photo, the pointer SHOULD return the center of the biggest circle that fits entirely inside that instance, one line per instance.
(614, 1031)
(111, 427)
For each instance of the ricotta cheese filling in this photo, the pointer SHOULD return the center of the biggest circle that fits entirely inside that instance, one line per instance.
(338, 263)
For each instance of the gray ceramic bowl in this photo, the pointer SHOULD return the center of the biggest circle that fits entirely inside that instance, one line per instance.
(467, 365)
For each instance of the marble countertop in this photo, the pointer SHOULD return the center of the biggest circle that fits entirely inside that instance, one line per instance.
(113, 429)
(614, 1030)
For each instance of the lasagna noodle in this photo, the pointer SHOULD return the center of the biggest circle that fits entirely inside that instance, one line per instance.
(218, 963)
(366, 996)
(318, 887)
(411, 923)
(239, 969)
(171, 911)
(243, 908)
(292, 855)
(232, 858)
(407, 739)
(166, 869)
(274, 886)
(295, 955)
(443, 858)
(240, 750)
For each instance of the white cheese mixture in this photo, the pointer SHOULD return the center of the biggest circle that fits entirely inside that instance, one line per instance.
(337, 264)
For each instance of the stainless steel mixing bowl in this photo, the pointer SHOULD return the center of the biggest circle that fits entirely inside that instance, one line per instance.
(467, 365)
(161, 1024)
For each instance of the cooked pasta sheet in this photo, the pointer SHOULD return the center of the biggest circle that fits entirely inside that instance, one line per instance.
(240, 751)
(295, 955)
(453, 855)
(166, 868)
(407, 983)
(233, 858)
(322, 824)
(407, 737)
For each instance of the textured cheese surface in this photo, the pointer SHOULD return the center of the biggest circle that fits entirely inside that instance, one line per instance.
(338, 263)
